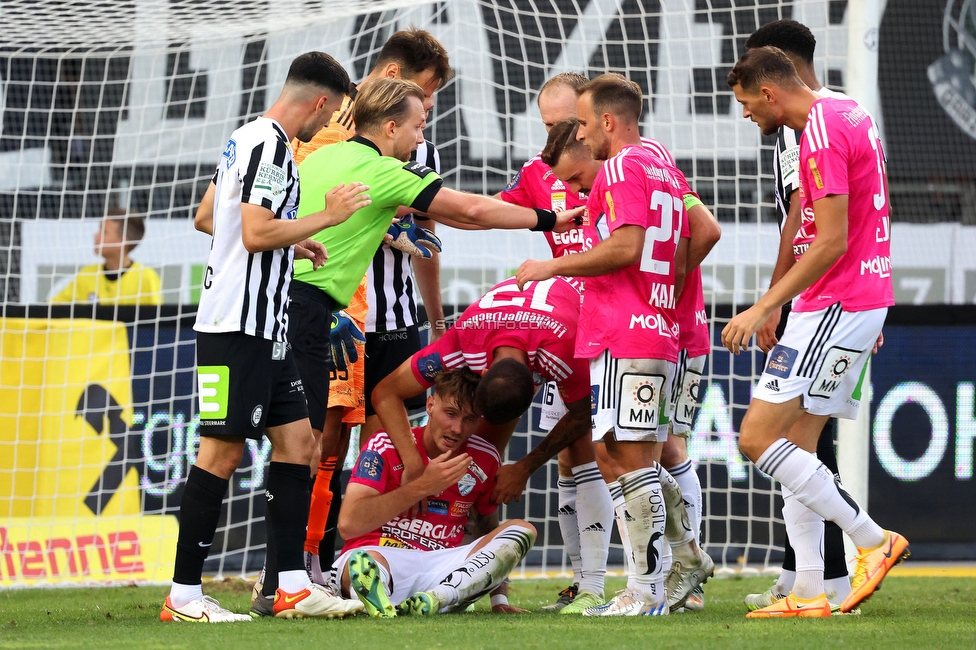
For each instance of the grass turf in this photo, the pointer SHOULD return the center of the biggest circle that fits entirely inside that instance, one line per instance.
(909, 612)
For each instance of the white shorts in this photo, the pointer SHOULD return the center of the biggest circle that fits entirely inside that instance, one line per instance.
(821, 357)
(631, 398)
(411, 570)
(687, 395)
(553, 407)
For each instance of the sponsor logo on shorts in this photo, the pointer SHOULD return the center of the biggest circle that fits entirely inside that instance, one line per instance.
(461, 508)
(437, 506)
(369, 466)
(466, 485)
(837, 362)
(256, 415)
(781, 360)
(278, 351)
(641, 401)
(430, 365)
(395, 543)
(773, 385)
(399, 335)
(594, 399)
(213, 386)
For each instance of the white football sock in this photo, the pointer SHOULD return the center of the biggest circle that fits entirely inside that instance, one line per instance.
(814, 486)
(292, 582)
(645, 504)
(486, 568)
(620, 517)
(568, 524)
(677, 529)
(691, 491)
(180, 595)
(784, 584)
(837, 589)
(594, 512)
(805, 528)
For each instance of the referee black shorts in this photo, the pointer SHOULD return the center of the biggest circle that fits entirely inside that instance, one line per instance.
(309, 327)
(385, 351)
(246, 384)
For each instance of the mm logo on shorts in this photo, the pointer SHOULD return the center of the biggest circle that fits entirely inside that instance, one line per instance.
(213, 384)
(641, 400)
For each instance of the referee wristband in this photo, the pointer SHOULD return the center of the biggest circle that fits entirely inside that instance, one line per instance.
(499, 599)
(546, 220)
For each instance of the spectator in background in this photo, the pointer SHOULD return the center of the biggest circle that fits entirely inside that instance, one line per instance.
(119, 280)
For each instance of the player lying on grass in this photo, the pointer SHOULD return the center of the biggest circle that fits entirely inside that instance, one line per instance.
(396, 558)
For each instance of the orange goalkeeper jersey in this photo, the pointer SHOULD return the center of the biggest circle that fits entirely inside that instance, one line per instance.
(339, 129)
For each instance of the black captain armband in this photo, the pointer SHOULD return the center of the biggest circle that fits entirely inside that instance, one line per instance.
(546, 220)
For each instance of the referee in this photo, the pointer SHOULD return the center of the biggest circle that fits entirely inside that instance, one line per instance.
(247, 379)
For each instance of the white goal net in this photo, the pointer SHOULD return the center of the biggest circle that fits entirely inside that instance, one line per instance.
(129, 105)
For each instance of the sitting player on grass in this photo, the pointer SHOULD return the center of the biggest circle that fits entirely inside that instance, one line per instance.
(396, 558)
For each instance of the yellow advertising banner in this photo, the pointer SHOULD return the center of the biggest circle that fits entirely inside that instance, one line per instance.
(65, 405)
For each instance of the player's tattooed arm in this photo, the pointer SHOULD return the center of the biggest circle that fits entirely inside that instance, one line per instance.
(510, 479)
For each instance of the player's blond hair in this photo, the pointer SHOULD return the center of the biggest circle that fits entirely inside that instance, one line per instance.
(573, 80)
(381, 100)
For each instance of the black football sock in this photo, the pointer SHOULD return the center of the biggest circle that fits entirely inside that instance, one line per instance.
(199, 513)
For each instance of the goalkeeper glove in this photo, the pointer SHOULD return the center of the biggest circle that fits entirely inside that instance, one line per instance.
(345, 335)
(414, 240)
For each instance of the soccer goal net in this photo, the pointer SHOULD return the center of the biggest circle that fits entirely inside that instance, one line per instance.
(127, 106)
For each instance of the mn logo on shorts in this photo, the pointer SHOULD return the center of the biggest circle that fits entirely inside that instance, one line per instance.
(641, 401)
(835, 365)
(213, 384)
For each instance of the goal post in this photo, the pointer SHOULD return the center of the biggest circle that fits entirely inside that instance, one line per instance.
(129, 105)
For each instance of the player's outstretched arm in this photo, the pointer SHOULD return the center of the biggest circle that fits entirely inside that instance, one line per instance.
(203, 219)
(365, 509)
(622, 249)
(830, 215)
(766, 336)
(387, 400)
(262, 232)
(485, 212)
(510, 479)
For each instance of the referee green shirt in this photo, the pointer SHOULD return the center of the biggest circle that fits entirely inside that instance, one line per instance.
(352, 244)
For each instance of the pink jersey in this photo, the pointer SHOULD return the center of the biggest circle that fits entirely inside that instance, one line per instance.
(540, 320)
(631, 312)
(535, 186)
(840, 153)
(379, 466)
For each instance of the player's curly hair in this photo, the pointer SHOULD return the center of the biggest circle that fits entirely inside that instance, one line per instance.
(458, 386)
(505, 391)
(614, 93)
(416, 50)
(788, 35)
(561, 140)
(383, 99)
(763, 64)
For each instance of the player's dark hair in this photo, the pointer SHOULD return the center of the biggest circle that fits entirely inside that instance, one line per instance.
(562, 140)
(318, 69)
(573, 80)
(788, 35)
(416, 50)
(764, 64)
(458, 386)
(505, 391)
(614, 93)
(383, 99)
(132, 227)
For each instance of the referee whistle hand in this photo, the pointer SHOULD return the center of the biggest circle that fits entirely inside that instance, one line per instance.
(412, 239)
(569, 219)
(345, 336)
(343, 200)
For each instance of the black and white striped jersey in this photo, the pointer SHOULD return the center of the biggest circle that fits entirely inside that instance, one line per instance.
(391, 285)
(786, 162)
(248, 292)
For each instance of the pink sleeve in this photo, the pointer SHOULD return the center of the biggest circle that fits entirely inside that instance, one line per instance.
(824, 169)
(429, 361)
(626, 199)
(577, 386)
(521, 190)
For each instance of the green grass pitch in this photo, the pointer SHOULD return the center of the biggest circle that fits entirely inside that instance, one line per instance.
(909, 612)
